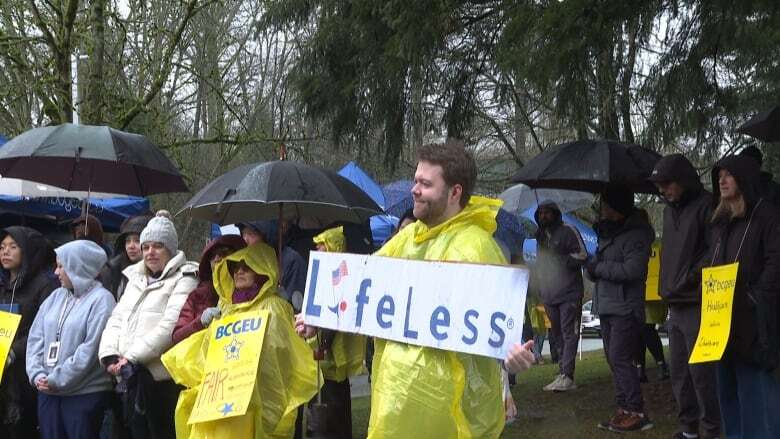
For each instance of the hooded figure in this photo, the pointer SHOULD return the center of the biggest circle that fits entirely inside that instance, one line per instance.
(111, 275)
(557, 275)
(425, 392)
(204, 296)
(77, 388)
(746, 229)
(287, 376)
(343, 355)
(293, 272)
(23, 295)
(684, 251)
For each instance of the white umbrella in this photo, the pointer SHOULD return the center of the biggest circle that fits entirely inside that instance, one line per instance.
(520, 197)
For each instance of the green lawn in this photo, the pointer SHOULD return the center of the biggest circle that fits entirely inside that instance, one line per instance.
(572, 414)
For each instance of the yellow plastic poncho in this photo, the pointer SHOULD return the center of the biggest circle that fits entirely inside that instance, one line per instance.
(426, 392)
(347, 351)
(287, 375)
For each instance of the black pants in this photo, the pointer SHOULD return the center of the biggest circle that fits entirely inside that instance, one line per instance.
(565, 323)
(694, 385)
(650, 341)
(336, 395)
(157, 421)
(621, 336)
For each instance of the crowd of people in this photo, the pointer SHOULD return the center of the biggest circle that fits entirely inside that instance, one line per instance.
(111, 342)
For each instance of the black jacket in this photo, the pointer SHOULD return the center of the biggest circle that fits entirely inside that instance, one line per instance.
(557, 273)
(686, 234)
(753, 240)
(32, 286)
(620, 270)
(111, 276)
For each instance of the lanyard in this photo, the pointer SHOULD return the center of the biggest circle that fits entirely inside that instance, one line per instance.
(66, 309)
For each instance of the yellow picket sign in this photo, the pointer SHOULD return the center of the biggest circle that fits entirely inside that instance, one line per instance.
(653, 273)
(8, 325)
(717, 299)
(231, 366)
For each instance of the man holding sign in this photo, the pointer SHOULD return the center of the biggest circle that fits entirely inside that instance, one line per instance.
(746, 230)
(427, 392)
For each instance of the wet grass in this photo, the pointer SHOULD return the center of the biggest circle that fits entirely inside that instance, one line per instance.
(572, 414)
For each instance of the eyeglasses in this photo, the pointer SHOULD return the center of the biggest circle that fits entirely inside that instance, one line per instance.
(234, 266)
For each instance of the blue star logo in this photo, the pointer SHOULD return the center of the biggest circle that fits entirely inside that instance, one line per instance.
(226, 409)
(233, 349)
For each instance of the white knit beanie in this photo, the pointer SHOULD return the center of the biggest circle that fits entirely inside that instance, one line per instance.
(161, 229)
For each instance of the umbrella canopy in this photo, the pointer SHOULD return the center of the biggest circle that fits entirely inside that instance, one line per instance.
(520, 197)
(398, 197)
(285, 189)
(90, 158)
(590, 166)
(763, 126)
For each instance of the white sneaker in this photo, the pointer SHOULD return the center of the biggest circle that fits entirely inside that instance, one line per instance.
(565, 384)
(554, 384)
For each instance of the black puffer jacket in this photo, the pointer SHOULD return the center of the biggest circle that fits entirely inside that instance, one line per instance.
(753, 240)
(32, 285)
(557, 273)
(686, 234)
(621, 268)
(111, 276)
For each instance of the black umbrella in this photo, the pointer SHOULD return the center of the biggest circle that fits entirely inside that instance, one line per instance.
(284, 190)
(763, 126)
(590, 166)
(90, 158)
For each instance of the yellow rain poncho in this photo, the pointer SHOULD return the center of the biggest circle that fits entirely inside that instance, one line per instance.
(430, 393)
(347, 351)
(287, 373)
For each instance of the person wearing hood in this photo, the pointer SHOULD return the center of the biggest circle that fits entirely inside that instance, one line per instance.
(557, 276)
(287, 375)
(619, 270)
(127, 251)
(88, 227)
(25, 282)
(768, 187)
(140, 327)
(201, 305)
(684, 251)
(426, 392)
(62, 363)
(746, 229)
(293, 279)
(343, 355)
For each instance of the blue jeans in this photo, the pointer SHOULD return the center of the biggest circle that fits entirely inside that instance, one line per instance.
(749, 401)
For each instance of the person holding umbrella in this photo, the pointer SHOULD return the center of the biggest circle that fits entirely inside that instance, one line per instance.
(619, 270)
(25, 282)
(140, 327)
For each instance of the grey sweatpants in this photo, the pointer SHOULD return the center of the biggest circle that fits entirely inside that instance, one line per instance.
(565, 326)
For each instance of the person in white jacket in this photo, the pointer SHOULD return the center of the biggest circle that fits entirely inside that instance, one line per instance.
(139, 331)
(62, 363)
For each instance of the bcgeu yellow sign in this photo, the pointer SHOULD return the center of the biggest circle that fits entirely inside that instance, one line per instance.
(8, 325)
(717, 299)
(235, 344)
(653, 273)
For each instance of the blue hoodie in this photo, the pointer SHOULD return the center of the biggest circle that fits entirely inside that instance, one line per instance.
(77, 370)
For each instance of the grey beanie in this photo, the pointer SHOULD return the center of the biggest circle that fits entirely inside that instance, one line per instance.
(161, 229)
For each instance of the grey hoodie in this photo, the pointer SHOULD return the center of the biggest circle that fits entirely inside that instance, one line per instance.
(77, 370)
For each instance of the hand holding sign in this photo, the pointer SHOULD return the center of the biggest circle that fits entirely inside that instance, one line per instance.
(520, 357)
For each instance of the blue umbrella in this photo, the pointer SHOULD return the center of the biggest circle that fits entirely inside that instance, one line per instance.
(398, 197)
(382, 226)
(509, 231)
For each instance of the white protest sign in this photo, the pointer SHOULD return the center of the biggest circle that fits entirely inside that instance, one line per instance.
(476, 309)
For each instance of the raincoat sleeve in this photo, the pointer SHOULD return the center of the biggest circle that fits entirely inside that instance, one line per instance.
(67, 375)
(186, 363)
(152, 344)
